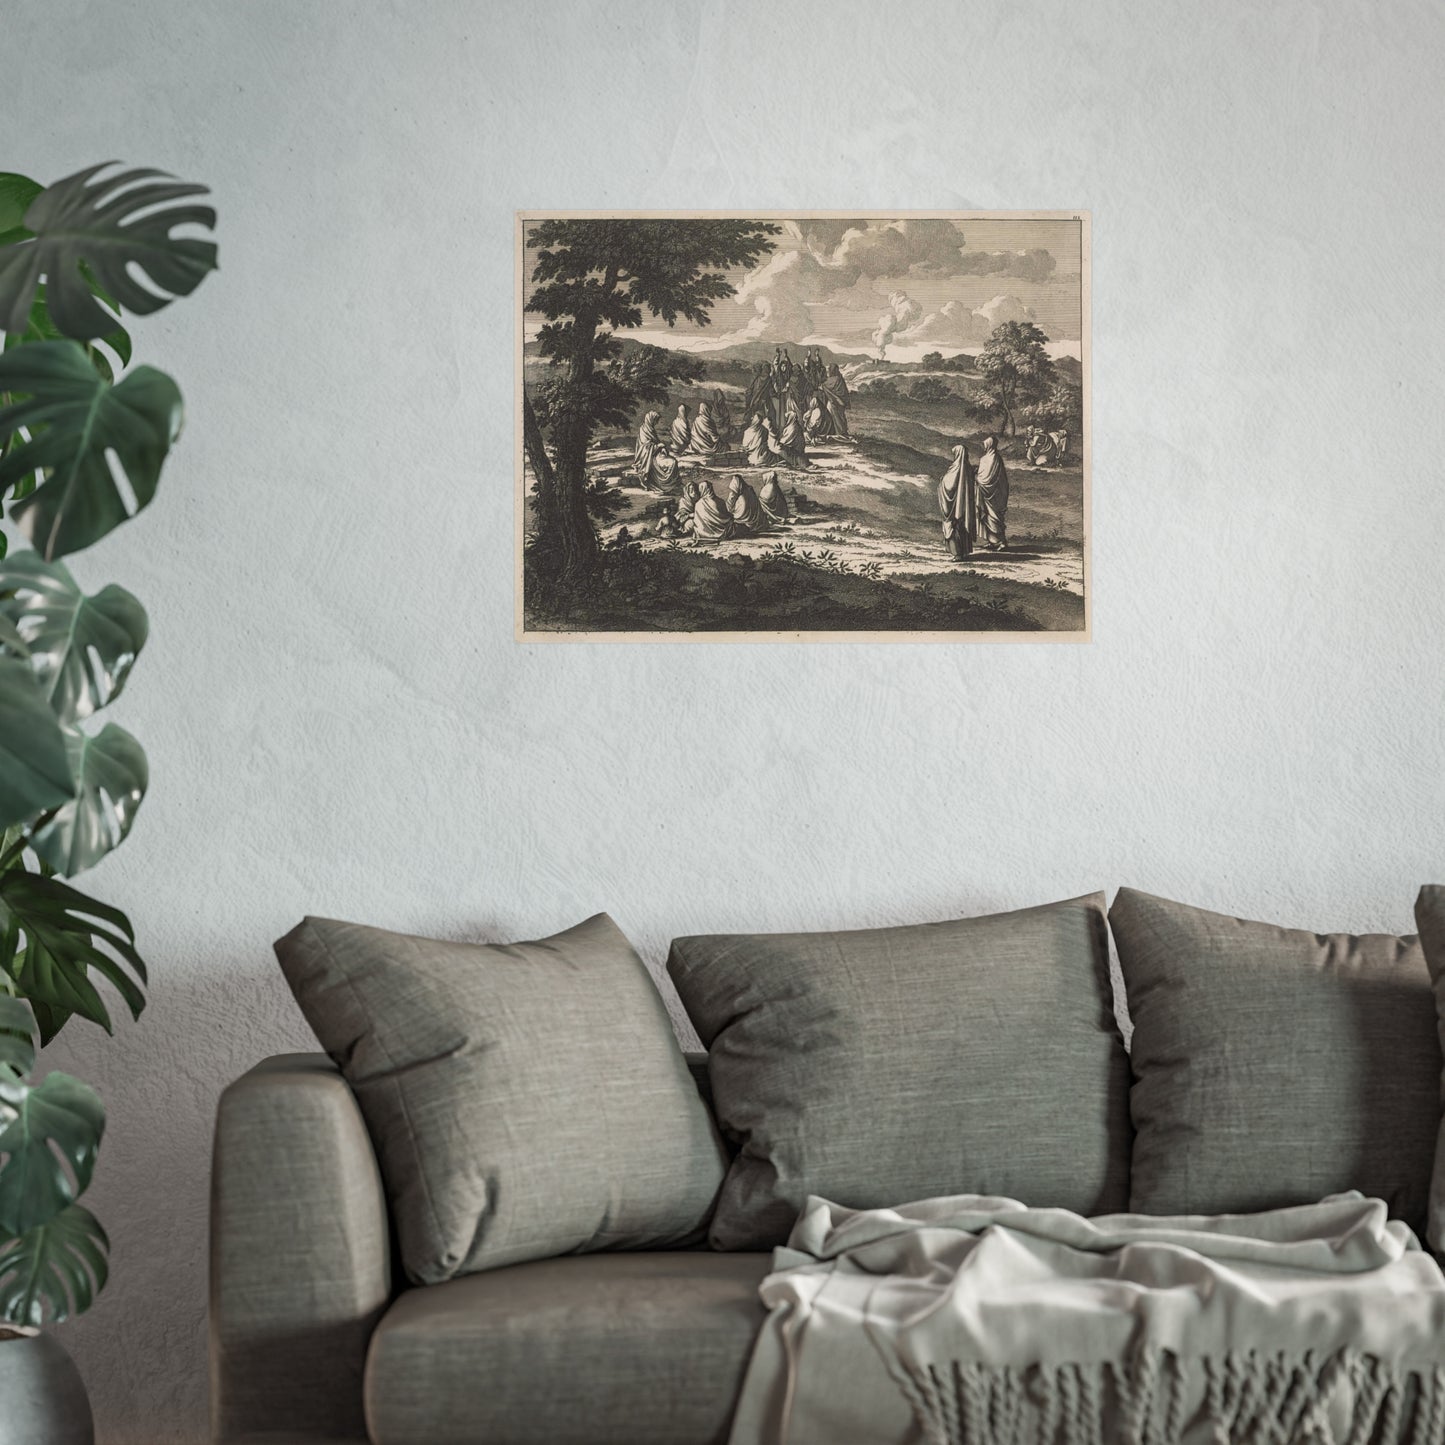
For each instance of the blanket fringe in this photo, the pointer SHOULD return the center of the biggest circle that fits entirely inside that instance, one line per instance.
(1248, 1398)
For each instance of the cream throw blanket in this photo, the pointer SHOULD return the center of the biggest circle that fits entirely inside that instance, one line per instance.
(976, 1321)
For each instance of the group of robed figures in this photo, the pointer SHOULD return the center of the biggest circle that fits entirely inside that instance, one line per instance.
(787, 406)
(811, 395)
(973, 501)
(746, 511)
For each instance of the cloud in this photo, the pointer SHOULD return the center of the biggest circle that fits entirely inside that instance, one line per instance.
(1033, 265)
(837, 262)
(958, 325)
(903, 312)
(779, 292)
(899, 248)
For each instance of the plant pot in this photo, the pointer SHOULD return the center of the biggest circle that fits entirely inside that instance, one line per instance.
(42, 1397)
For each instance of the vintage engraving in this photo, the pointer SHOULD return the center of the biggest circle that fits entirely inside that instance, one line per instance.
(803, 426)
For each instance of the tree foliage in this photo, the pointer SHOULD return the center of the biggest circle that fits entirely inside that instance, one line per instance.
(1063, 405)
(609, 397)
(592, 278)
(930, 388)
(1014, 369)
(611, 272)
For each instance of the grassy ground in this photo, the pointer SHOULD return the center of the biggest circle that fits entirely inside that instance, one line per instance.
(684, 590)
(866, 553)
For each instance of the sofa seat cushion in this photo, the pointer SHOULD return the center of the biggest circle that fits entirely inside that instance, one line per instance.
(643, 1348)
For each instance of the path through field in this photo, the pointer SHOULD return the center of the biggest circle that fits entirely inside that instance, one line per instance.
(867, 511)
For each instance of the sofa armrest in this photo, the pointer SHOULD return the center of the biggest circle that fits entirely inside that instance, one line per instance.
(300, 1254)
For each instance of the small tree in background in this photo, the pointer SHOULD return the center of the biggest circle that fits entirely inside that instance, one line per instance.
(933, 358)
(1015, 370)
(930, 388)
(1064, 406)
(649, 373)
(592, 278)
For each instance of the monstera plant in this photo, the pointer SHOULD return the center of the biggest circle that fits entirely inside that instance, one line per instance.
(84, 435)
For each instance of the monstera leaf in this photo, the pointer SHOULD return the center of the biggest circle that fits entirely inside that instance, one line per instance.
(34, 762)
(104, 226)
(110, 773)
(76, 419)
(42, 328)
(17, 1039)
(49, 1137)
(81, 648)
(16, 194)
(51, 936)
(55, 1271)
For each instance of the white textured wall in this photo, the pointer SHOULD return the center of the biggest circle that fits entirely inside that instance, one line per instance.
(337, 717)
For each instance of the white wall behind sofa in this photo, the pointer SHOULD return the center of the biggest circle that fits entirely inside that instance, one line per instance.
(338, 719)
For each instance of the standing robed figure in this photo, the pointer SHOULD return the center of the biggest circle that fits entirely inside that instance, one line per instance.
(834, 392)
(759, 397)
(958, 505)
(722, 418)
(992, 484)
(792, 440)
(814, 370)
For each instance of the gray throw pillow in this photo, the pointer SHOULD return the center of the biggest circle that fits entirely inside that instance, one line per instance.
(884, 1065)
(1274, 1066)
(524, 1099)
(1430, 920)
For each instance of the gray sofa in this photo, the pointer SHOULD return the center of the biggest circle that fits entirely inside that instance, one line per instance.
(312, 1340)
(1269, 1067)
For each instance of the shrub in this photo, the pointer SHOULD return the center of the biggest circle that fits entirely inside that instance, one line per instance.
(930, 388)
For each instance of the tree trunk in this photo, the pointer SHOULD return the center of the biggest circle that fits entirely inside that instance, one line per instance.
(578, 538)
(546, 504)
(575, 533)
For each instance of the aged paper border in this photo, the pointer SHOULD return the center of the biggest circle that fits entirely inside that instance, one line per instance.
(1086, 349)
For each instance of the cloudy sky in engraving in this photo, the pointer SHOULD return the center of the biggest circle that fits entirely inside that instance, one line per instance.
(905, 287)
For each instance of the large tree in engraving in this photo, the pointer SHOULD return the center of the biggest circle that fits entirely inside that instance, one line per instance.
(590, 279)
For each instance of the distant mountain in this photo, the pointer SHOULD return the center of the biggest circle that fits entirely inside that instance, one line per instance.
(750, 352)
(744, 357)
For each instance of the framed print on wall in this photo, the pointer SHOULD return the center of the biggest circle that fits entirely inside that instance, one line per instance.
(803, 426)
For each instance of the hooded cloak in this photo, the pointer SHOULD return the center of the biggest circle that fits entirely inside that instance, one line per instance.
(710, 519)
(722, 418)
(791, 440)
(705, 440)
(836, 397)
(760, 390)
(958, 505)
(685, 504)
(755, 443)
(681, 430)
(747, 510)
(774, 500)
(655, 469)
(992, 482)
